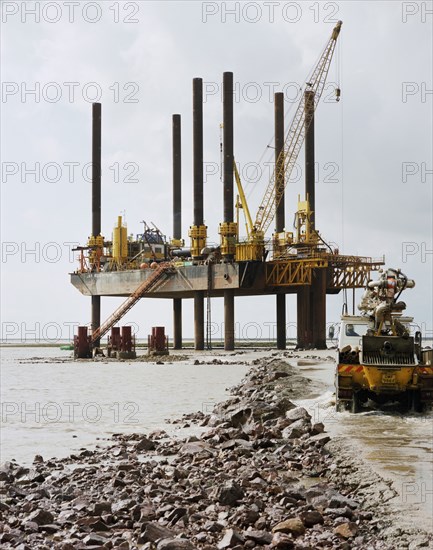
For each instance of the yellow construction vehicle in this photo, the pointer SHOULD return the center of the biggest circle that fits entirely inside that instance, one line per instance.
(253, 248)
(378, 358)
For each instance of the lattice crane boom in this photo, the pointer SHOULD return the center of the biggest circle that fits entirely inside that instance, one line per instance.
(295, 138)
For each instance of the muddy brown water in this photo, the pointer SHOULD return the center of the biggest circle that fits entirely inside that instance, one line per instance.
(397, 446)
(53, 406)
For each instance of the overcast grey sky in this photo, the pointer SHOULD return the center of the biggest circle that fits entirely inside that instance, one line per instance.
(373, 148)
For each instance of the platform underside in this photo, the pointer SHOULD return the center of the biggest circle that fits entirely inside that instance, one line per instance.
(244, 279)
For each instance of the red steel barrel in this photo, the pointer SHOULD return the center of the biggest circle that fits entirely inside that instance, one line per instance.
(115, 338)
(81, 344)
(127, 339)
(158, 337)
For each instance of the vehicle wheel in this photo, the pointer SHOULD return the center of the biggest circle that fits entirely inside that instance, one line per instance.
(340, 406)
(415, 401)
(356, 404)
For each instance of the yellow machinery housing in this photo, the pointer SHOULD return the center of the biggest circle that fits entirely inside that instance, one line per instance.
(198, 235)
(229, 235)
(96, 251)
(176, 243)
(305, 233)
(250, 251)
(384, 368)
(120, 242)
(411, 386)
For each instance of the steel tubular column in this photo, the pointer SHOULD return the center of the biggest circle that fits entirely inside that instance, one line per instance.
(177, 221)
(280, 222)
(228, 145)
(229, 300)
(304, 332)
(96, 201)
(198, 320)
(318, 286)
(198, 199)
(198, 150)
(318, 308)
(312, 300)
(309, 155)
(229, 320)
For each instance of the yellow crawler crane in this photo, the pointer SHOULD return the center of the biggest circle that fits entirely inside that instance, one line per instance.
(378, 359)
(253, 249)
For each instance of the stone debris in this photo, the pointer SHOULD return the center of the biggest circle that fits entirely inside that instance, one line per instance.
(262, 475)
(346, 530)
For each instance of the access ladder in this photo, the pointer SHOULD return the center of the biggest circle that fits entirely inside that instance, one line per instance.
(149, 284)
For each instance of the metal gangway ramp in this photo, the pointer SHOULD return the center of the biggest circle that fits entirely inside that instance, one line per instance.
(146, 286)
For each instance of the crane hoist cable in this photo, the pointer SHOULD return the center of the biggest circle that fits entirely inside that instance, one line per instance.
(250, 187)
(295, 137)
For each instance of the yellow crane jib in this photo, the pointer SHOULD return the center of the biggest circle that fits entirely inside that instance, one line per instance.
(254, 247)
(245, 208)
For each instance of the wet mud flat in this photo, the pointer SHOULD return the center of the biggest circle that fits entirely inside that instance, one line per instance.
(260, 475)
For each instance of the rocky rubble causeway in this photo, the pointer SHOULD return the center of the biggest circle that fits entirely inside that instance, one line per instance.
(261, 475)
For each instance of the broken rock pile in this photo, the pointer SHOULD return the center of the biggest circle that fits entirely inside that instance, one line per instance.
(255, 478)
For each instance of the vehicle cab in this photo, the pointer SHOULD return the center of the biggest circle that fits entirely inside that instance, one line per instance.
(352, 329)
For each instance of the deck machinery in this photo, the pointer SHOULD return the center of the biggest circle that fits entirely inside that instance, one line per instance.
(288, 262)
(378, 359)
